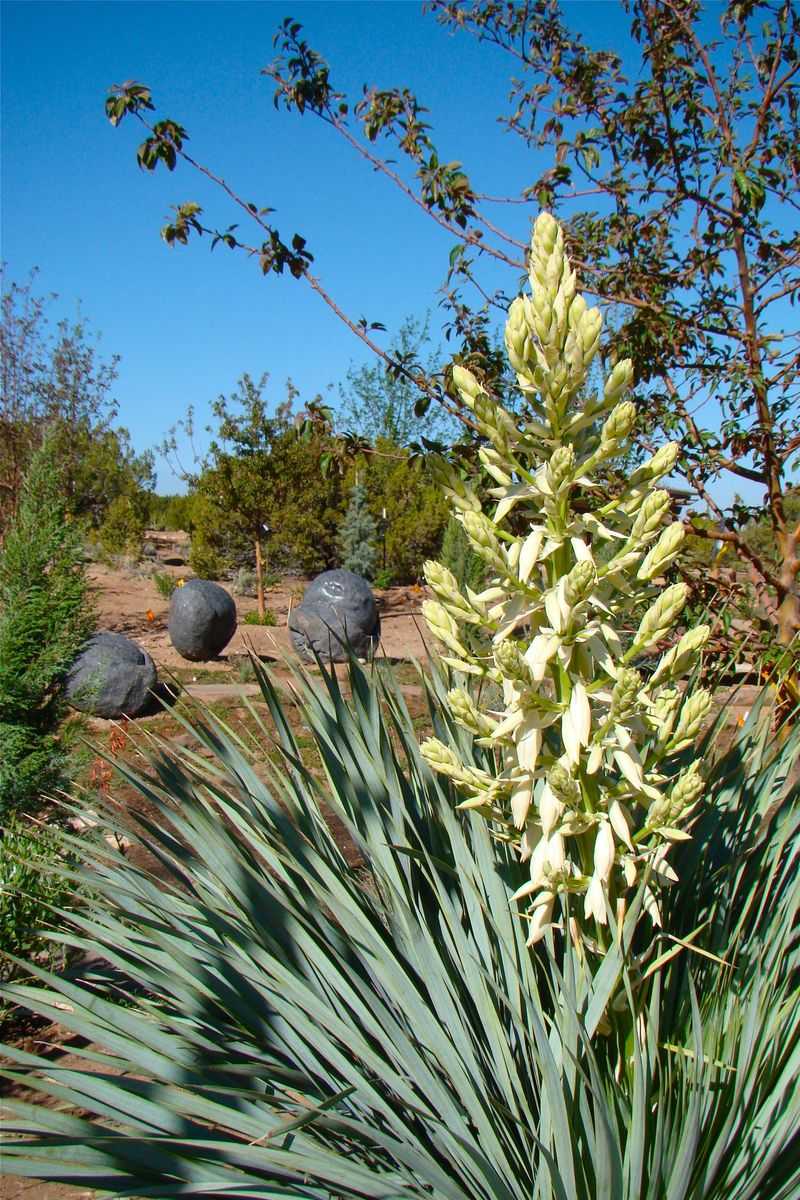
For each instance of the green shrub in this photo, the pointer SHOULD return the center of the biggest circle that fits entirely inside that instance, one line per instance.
(45, 617)
(384, 578)
(122, 530)
(165, 583)
(416, 510)
(32, 885)
(253, 618)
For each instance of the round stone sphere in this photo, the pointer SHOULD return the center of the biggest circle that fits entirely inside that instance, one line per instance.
(338, 609)
(202, 619)
(112, 677)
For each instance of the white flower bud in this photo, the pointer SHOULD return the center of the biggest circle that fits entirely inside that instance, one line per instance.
(443, 626)
(650, 516)
(661, 616)
(480, 531)
(664, 551)
(619, 422)
(468, 386)
(466, 712)
(691, 720)
(619, 380)
(679, 658)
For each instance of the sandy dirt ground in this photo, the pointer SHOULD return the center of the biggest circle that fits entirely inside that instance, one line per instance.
(129, 602)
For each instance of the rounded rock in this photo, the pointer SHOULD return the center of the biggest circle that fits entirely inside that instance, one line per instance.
(202, 619)
(337, 610)
(112, 677)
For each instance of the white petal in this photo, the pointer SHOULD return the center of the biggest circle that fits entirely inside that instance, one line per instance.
(650, 905)
(555, 852)
(528, 749)
(581, 550)
(539, 860)
(550, 809)
(542, 918)
(529, 554)
(531, 836)
(594, 904)
(630, 769)
(508, 724)
(504, 507)
(604, 852)
(556, 607)
(581, 713)
(619, 824)
(629, 869)
(520, 803)
(595, 759)
(569, 736)
(539, 653)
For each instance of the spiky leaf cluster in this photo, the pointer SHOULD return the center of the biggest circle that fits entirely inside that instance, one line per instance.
(585, 742)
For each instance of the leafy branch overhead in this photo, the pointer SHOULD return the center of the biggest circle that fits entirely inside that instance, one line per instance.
(677, 190)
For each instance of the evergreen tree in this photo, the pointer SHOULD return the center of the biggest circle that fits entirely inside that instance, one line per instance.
(357, 535)
(44, 620)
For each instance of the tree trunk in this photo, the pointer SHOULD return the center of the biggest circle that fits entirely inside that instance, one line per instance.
(260, 579)
(789, 607)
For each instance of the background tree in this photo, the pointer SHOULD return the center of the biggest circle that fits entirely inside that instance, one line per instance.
(45, 617)
(55, 383)
(261, 485)
(378, 401)
(679, 194)
(358, 534)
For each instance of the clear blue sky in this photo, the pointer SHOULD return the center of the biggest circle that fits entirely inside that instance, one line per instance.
(188, 323)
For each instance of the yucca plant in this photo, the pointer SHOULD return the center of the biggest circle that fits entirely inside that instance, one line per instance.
(284, 1018)
(294, 1013)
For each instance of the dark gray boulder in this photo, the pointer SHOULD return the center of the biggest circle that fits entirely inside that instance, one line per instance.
(338, 608)
(202, 619)
(112, 677)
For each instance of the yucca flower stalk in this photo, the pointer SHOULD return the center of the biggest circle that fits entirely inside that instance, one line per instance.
(587, 785)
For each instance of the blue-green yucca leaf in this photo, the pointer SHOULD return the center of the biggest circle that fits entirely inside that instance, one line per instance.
(290, 1022)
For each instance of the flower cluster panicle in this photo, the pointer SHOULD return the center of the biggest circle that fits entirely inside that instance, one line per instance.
(586, 784)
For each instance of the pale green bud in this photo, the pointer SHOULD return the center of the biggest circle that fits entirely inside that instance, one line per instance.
(467, 385)
(445, 585)
(678, 659)
(517, 337)
(495, 464)
(463, 498)
(618, 423)
(561, 466)
(442, 581)
(494, 419)
(465, 711)
(664, 712)
(625, 693)
(480, 532)
(510, 662)
(443, 626)
(661, 616)
(650, 516)
(579, 582)
(564, 787)
(441, 758)
(687, 789)
(661, 463)
(692, 717)
(664, 551)
(618, 381)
